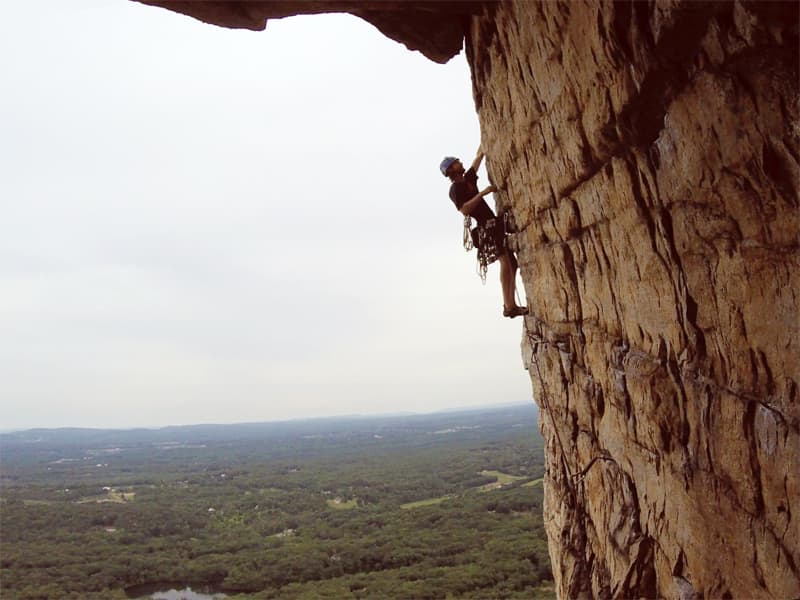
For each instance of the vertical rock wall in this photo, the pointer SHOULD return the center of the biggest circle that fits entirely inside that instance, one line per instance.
(649, 154)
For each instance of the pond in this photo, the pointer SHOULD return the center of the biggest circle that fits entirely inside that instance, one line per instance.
(173, 591)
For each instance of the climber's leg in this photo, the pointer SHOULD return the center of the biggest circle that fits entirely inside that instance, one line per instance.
(508, 280)
(507, 277)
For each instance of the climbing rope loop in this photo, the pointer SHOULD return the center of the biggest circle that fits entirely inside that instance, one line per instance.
(535, 341)
(489, 239)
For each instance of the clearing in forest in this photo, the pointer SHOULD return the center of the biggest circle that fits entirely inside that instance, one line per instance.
(340, 504)
(426, 502)
(503, 479)
(533, 482)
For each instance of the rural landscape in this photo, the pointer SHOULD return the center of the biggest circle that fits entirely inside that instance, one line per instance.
(447, 505)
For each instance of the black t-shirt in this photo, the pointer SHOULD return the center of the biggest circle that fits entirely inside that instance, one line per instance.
(462, 191)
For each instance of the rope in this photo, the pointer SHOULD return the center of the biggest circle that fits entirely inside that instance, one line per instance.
(510, 226)
(546, 404)
(482, 238)
(572, 478)
(487, 253)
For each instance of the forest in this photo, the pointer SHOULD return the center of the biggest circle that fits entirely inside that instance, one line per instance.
(447, 505)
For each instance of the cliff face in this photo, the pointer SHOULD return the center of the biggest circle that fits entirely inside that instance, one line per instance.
(649, 154)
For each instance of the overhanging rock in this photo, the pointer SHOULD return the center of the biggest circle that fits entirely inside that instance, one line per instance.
(436, 29)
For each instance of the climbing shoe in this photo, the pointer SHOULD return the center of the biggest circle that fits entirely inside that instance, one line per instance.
(515, 311)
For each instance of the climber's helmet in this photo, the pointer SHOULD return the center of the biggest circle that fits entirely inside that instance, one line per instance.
(446, 163)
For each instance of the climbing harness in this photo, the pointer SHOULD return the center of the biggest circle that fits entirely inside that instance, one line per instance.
(485, 238)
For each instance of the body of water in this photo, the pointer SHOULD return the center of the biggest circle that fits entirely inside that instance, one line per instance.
(171, 591)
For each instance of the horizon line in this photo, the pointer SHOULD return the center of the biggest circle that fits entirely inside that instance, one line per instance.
(286, 420)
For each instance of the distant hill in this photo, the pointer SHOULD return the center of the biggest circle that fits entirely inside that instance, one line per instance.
(349, 427)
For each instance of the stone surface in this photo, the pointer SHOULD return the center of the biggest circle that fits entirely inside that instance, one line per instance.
(649, 154)
(434, 28)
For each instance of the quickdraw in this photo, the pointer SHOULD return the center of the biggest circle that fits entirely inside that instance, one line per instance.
(468, 245)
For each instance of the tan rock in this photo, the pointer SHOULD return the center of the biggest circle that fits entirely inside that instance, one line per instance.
(434, 28)
(650, 153)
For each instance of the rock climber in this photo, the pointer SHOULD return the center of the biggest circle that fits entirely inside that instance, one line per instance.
(490, 239)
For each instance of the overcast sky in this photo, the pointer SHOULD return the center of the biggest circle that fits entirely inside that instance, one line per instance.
(212, 225)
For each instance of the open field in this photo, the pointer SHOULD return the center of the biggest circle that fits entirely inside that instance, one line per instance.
(426, 502)
(503, 479)
(534, 482)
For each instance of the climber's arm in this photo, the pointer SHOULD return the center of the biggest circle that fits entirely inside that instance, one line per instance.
(469, 205)
(478, 159)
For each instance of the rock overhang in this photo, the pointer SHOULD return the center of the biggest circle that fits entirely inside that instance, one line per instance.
(436, 29)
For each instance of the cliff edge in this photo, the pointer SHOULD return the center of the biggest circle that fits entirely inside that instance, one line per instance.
(649, 154)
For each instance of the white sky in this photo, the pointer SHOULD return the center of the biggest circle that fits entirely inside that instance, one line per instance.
(211, 225)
